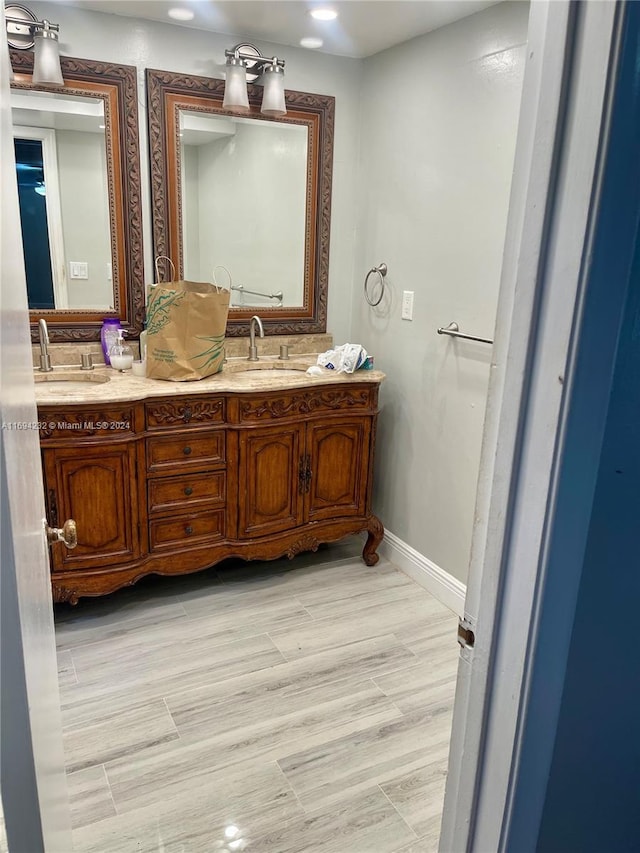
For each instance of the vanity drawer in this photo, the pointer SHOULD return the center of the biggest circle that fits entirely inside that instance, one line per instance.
(186, 530)
(186, 492)
(197, 413)
(108, 423)
(189, 451)
(340, 400)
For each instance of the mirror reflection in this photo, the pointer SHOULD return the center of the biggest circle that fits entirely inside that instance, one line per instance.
(243, 193)
(61, 164)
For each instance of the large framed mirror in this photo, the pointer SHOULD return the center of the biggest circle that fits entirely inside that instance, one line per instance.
(244, 200)
(78, 171)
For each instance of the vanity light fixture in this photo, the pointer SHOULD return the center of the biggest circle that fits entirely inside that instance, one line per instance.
(245, 62)
(26, 32)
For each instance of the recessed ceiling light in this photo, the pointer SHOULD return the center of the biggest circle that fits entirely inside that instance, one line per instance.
(181, 14)
(324, 14)
(311, 42)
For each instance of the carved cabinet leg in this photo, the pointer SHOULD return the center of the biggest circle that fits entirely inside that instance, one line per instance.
(64, 595)
(376, 532)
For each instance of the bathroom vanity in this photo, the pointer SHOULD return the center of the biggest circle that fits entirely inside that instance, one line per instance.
(171, 478)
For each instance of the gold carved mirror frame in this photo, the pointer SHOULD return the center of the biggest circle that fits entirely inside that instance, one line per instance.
(116, 85)
(167, 94)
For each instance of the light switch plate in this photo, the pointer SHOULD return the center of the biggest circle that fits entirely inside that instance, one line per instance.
(78, 269)
(407, 304)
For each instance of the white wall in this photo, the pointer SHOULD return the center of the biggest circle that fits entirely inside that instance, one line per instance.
(190, 213)
(149, 44)
(84, 202)
(439, 121)
(254, 222)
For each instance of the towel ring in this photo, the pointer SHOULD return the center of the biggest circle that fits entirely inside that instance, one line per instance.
(381, 270)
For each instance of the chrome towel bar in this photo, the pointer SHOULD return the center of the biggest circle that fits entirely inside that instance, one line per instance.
(240, 288)
(454, 331)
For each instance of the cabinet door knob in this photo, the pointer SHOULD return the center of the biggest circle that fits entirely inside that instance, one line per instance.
(188, 530)
(188, 491)
(67, 534)
(186, 450)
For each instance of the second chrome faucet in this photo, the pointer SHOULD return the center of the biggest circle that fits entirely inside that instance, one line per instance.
(45, 358)
(253, 349)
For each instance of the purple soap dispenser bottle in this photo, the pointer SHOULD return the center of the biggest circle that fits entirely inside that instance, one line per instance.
(109, 336)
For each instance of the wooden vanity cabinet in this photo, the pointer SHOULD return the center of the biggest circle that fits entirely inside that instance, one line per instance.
(175, 486)
(337, 468)
(270, 471)
(91, 467)
(186, 473)
(94, 488)
(298, 474)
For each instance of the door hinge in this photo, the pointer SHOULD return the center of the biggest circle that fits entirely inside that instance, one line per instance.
(466, 635)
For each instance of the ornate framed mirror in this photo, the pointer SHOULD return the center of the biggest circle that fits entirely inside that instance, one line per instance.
(244, 200)
(78, 169)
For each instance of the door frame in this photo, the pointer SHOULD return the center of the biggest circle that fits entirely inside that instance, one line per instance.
(570, 77)
(32, 771)
(47, 136)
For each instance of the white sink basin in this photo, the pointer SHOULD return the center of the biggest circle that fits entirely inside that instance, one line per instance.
(262, 374)
(65, 381)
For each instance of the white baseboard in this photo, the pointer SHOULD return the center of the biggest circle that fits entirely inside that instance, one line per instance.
(447, 589)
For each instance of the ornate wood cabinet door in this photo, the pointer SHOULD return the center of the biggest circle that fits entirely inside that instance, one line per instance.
(337, 458)
(96, 486)
(270, 495)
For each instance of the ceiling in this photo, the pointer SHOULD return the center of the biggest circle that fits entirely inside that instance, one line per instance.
(363, 27)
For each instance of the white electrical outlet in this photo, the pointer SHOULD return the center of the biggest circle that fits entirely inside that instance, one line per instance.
(407, 304)
(78, 269)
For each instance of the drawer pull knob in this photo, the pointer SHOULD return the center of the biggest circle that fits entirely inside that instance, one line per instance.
(188, 491)
(188, 530)
(186, 451)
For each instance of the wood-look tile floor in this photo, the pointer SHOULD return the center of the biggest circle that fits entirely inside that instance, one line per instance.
(283, 707)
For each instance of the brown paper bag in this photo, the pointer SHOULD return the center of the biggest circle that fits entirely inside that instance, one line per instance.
(186, 324)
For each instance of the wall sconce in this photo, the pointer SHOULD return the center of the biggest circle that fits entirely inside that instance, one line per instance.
(26, 32)
(245, 62)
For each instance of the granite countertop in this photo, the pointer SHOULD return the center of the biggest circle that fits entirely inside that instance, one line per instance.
(105, 385)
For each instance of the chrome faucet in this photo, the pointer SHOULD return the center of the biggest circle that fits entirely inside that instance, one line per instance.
(253, 349)
(45, 358)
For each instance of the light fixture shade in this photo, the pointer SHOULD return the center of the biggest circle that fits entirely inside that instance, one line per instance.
(236, 98)
(46, 60)
(273, 97)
